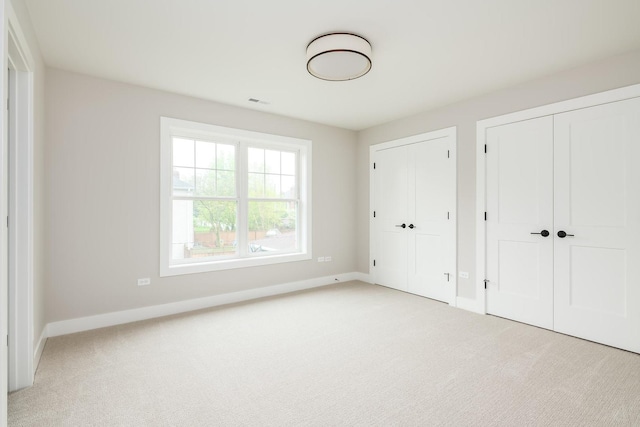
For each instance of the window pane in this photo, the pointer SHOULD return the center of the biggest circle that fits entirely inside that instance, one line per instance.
(226, 157)
(256, 185)
(288, 163)
(272, 186)
(226, 184)
(183, 182)
(256, 160)
(206, 182)
(183, 152)
(272, 161)
(272, 226)
(288, 187)
(203, 228)
(205, 154)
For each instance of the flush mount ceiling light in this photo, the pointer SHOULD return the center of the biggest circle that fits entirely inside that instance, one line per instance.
(339, 56)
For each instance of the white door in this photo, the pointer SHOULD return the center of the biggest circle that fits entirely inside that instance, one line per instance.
(431, 232)
(391, 192)
(519, 188)
(414, 225)
(597, 205)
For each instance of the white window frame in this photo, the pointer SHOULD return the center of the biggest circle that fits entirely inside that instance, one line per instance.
(242, 139)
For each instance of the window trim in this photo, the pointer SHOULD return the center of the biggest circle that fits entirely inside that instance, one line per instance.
(170, 127)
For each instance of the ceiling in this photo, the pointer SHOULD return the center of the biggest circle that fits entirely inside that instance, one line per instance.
(426, 53)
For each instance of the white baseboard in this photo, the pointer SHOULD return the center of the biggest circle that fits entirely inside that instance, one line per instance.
(71, 326)
(37, 354)
(468, 304)
(363, 277)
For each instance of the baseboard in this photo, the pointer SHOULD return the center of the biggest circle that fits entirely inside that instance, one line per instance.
(37, 354)
(71, 326)
(363, 277)
(468, 304)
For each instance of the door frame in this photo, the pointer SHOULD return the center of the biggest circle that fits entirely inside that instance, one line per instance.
(606, 97)
(437, 134)
(19, 119)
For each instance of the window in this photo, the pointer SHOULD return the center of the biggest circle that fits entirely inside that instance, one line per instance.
(231, 198)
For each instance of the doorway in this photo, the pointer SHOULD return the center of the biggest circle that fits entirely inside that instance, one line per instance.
(558, 192)
(413, 214)
(18, 182)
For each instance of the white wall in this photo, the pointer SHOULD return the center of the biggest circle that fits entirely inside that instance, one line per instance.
(98, 206)
(103, 171)
(39, 153)
(596, 77)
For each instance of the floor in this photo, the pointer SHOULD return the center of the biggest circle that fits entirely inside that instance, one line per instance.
(349, 354)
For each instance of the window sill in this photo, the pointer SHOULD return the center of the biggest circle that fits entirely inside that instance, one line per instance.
(228, 264)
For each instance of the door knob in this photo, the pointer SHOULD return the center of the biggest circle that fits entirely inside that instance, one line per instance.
(412, 226)
(402, 226)
(543, 233)
(562, 234)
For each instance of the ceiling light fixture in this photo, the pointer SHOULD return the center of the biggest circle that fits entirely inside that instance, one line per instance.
(338, 57)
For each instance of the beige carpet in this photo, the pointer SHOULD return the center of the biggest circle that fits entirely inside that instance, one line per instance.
(344, 355)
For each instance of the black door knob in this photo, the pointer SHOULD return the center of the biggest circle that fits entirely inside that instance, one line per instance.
(543, 233)
(402, 226)
(412, 226)
(562, 234)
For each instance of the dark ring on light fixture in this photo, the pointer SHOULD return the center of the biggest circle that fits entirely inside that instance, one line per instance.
(332, 69)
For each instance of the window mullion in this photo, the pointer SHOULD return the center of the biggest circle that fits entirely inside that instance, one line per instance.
(242, 185)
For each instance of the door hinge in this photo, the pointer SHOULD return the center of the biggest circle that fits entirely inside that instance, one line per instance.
(485, 148)
(374, 165)
(485, 283)
(374, 214)
(485, 216)
(447, 215)
(447, 274)
(448, 152)
(374, 262)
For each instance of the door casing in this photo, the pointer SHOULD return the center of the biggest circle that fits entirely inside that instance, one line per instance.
(19, 140)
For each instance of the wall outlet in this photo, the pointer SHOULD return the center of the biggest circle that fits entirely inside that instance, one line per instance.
(144, 282)
(320, 259)
(327, 259)
(463, 275)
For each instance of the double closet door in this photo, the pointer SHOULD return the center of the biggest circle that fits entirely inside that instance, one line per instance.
(414, 227)
(563, 222)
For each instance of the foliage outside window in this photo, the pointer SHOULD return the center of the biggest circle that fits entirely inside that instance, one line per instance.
(231, 198)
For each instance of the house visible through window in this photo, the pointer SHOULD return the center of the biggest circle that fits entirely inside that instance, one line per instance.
(232, 198)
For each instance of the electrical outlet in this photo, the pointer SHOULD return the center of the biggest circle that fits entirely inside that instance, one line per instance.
(327, 259)
(463, 275)
(144, 282)
(320, 259)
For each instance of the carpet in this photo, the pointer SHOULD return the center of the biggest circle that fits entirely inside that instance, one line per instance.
(349, 354)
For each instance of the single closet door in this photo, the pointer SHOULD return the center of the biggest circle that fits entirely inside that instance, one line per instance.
(519, 222)
(597, 224)
(390, 222)
(431, 241)
(414, 224)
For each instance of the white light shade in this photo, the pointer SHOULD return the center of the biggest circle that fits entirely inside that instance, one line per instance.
(339, 56)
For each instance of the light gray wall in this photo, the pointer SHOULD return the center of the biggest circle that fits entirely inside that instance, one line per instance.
(103, 184)
(39, 150)
(608, 74)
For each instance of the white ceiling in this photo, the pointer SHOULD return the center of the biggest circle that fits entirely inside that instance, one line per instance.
(426, 53)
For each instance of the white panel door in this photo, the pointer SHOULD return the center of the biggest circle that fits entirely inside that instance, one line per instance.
(391, 195)
(520, 203)
(431, 232)
(597, 205)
